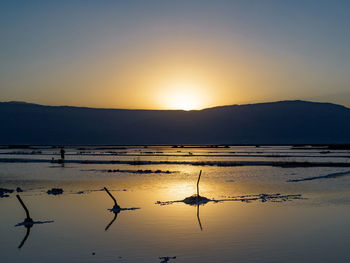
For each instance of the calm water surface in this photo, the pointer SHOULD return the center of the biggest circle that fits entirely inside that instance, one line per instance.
(314, 228)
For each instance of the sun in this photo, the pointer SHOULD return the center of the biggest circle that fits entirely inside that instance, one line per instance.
(184, 100)
(182, 96)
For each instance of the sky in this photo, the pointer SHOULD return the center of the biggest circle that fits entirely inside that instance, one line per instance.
(179, 54)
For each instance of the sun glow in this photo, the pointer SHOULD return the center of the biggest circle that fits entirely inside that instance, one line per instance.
(182, 96)
(184, 101)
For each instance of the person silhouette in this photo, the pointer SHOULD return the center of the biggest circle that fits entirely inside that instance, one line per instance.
(62, 151)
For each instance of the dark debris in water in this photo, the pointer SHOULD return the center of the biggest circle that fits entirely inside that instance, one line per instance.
(97, 190)
(140, 171)
(4, 192)
(328, 176)
(191, 200)
(194, 200)
(118, 209)
(264, 198)
(30, 223)
(55, 191)
(166, 259)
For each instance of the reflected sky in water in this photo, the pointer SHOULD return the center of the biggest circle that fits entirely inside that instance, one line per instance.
(314, 229)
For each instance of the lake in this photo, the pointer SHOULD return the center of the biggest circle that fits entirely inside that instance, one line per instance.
(265, 204)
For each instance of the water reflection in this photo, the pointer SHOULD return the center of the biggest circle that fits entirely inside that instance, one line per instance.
(272, 226)
(112, 221)
(28, 227)
(200, 200)
(28, 222)
(198, 218)
(116, 208)
(195, 199)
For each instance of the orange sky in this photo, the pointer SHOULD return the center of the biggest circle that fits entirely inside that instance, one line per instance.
(173, 55)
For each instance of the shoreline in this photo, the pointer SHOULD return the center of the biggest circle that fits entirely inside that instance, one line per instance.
(283, 164)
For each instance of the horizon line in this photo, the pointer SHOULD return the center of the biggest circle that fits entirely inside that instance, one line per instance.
(140, 109)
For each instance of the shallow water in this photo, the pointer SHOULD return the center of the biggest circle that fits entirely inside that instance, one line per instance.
(312, 229)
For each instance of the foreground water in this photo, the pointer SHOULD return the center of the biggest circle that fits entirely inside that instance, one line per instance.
(312, 228)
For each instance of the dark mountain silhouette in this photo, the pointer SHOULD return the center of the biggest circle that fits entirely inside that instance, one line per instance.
(284, 122)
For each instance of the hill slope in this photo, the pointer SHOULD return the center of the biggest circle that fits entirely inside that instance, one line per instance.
(285, 122)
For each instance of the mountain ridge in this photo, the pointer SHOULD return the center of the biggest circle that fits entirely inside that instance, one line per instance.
(209, 108)
(282, 122)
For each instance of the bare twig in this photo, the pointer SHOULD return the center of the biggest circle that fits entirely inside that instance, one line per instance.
(115, 201)
(28, 218)
(199, 177)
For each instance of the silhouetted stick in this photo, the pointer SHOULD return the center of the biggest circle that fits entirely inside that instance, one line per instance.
(25, 237)
(28, 219)
(199, 177)
(110, 223)
(199, 220)
(115, 201)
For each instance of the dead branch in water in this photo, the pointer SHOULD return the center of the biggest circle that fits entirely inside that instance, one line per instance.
(116, 206)
(28, 218)
(199, 177)
(28, 222)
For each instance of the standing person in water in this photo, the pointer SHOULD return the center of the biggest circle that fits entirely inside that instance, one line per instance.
(62, 151)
